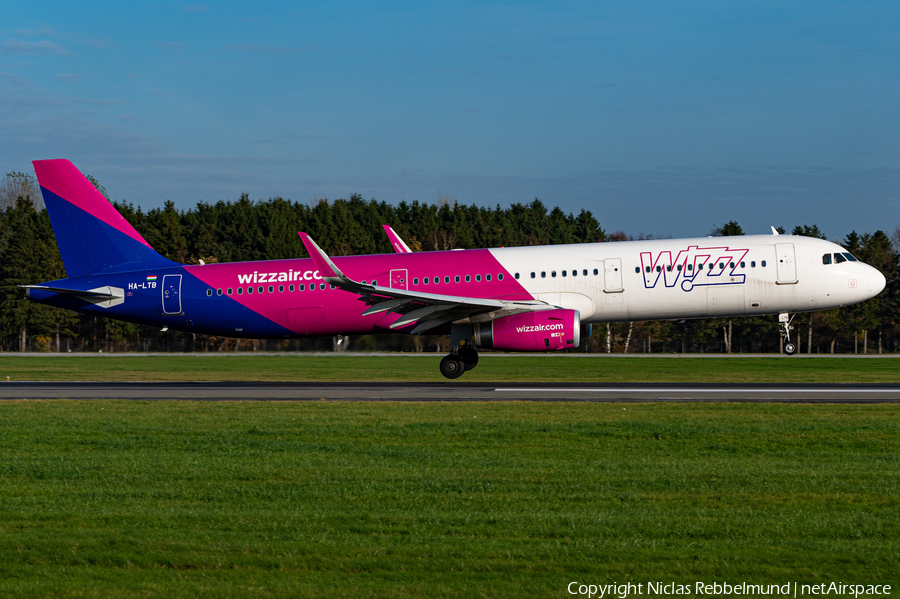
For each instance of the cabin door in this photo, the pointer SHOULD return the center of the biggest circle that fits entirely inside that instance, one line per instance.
(786, 265)
(171, 294)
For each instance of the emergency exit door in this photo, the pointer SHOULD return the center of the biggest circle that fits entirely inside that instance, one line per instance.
(398, 279)
(612, 275)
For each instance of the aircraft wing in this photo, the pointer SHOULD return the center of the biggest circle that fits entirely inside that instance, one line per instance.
(397, 244)
(429, 310)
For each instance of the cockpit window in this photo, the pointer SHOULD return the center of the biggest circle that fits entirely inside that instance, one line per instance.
(838, 258)
(850, 257)
(826, 259)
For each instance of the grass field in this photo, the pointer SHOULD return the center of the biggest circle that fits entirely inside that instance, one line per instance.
(186, 499)
(300, 367)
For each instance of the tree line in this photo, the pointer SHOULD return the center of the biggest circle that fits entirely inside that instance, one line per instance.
(244, 229)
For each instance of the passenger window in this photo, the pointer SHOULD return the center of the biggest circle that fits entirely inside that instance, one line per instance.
(763, 263)
(260, 289)
(553, 273)
(500, 277)
(826, 258)
(722, 265)
(229, 291)
(637, 269)
(321, 286)
(271, 288)
(731, 265)
(425, 280)
(753, 264)
(563, 273)
(679, 268)
(416, 281)
(209, 293)
(303, 287)
(456, 279)
(488, 277)
(659, 269)
(240, 291)
(291, 288)
(281, 289)
(668, 268)
(249, 290)
(218, 292)
(596, 272)
(468, 279)
(646, 269)
(743, 264)
(477, 278)
(850, 257)
(584, 272)
(690, 267)
(446, 279)
(543, 274)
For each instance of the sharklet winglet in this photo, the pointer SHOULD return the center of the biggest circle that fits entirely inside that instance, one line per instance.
(326, 267)
(397, 244)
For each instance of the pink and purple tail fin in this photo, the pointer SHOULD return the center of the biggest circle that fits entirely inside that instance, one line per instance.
(92, 236)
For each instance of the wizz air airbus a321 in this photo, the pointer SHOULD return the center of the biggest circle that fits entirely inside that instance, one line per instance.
(539, 298)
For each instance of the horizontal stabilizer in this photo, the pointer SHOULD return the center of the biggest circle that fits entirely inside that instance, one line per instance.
(106, 296)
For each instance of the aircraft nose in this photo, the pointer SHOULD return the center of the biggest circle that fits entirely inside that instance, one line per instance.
(876, 282)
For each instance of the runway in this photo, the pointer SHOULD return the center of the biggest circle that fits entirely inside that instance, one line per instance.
(456, 391)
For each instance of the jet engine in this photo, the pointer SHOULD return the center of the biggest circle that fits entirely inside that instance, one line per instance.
(543, 330)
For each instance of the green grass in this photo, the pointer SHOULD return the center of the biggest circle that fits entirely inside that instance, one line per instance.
(188, 499)
(300, 367)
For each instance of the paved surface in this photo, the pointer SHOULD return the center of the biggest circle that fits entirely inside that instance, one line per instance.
(456, 391)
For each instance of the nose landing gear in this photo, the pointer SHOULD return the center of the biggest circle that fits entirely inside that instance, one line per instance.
(784, 320)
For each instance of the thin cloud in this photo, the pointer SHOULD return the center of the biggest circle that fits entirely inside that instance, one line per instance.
(75, 38)
(42, 48)
(257, 49)
(66, 77)
(169, 46)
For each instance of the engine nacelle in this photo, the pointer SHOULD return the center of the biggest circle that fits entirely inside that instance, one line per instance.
(544, 330)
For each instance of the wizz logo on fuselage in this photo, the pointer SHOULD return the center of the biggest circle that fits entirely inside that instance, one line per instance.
(694, 266)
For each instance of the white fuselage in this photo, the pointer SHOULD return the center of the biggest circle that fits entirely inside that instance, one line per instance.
(692, 278)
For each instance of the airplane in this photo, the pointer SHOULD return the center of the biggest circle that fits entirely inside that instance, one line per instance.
(525, 299)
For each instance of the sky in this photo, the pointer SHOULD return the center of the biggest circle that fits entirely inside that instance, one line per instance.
(661, 118)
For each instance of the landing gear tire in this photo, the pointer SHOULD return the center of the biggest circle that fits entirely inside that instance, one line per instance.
(452, 366)
(784, 323)
(469, 357)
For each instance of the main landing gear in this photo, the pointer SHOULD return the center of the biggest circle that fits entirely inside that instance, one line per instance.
(454, 364)
(462, 356)
(784, 321)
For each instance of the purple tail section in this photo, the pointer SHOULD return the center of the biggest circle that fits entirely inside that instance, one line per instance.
(92, 236)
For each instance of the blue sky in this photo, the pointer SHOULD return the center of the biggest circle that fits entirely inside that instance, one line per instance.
(659, 117)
